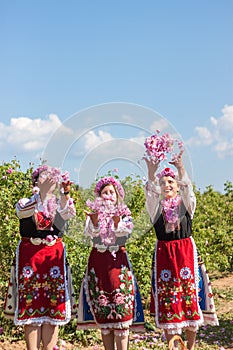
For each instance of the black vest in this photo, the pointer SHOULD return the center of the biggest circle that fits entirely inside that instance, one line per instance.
(27, 227)
(183, 231)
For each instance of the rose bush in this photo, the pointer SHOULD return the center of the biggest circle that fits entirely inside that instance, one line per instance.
(212, 230)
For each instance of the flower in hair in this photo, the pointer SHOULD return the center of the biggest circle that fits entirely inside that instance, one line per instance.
(167, 172)
(158, 147)
(109, 180)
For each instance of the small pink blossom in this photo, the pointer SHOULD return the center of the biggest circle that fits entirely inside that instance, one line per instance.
(9, 171)
(50, 238)
(65, 176)
(35, 190)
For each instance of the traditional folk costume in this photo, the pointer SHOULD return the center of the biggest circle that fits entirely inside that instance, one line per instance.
(181, 295)
(40, 288)
(109, 296)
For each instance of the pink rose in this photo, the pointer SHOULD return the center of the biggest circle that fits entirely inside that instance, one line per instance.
(119, 298)
(103, 300)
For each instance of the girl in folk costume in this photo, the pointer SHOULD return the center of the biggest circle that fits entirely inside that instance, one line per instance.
(177, 299)
(109, 297)
(41, 276)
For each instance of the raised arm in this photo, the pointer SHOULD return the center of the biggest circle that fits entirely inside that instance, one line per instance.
(185, 185)
(152, 188)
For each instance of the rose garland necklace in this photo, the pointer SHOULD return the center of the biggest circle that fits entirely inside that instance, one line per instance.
(106, 209)
(171, 211)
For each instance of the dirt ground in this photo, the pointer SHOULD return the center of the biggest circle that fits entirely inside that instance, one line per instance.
(221, 283)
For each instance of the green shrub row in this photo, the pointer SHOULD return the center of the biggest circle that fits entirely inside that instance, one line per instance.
(212, 227)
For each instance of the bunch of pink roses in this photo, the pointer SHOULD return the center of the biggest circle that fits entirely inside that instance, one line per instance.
(55, 173)
(158, 147)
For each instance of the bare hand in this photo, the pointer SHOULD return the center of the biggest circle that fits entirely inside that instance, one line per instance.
(152, 167)
(93, 217)
(116, 220)
(66, 186)
(178, 163)
(47, 186)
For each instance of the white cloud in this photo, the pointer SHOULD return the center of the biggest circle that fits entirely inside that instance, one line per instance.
(25, 134)
(218, 135)
(160, 124)
(93, 140)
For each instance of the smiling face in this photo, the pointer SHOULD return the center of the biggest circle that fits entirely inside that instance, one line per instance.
(109, 192)
(169, 187)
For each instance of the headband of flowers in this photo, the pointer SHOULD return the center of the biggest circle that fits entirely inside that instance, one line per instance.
(159, 146)
(109, 180)
(167, 172)
(54, 172)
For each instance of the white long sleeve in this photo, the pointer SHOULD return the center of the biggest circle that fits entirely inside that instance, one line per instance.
(68, 211)
(152, 193)
(26, 207)
(122, 229)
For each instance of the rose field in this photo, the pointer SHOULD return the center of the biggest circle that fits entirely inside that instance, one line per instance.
(212, 231)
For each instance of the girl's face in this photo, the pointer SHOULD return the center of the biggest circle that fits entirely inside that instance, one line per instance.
(109, 192)
(169, 187)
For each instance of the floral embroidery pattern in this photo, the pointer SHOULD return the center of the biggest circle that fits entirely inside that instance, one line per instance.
(48, 287)
(27, 271)
(165, 275)
(185, 273)
(115, 305)
(175, 291)
(55, 272)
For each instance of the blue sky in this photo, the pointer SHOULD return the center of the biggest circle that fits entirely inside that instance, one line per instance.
(170, 58)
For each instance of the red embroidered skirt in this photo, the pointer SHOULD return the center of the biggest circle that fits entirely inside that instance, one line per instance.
(42, 286)
(175, 285)
(110, 290)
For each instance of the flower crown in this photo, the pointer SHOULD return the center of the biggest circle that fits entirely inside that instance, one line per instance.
(111, 181)
(167, 172)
